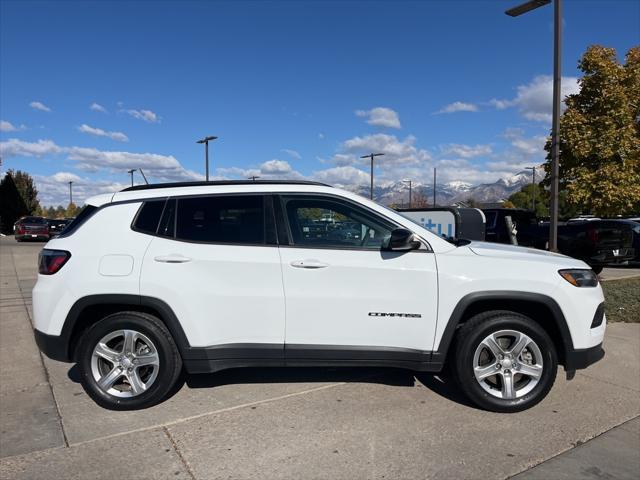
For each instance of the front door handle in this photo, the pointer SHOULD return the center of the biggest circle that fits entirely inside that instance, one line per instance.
(310, 264)
(172, 258)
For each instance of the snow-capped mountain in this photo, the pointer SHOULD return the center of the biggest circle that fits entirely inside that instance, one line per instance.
(447, 193)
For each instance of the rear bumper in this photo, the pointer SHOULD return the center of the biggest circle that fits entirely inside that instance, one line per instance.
(55, 347)
(582, 358)
(32, 236)
(604, 257)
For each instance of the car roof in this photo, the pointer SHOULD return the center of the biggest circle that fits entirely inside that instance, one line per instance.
(152, 186)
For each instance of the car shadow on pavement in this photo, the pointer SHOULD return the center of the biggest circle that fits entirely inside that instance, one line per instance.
(394, 377)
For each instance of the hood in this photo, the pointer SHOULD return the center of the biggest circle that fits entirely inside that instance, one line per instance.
(515, 252)
(489, 249)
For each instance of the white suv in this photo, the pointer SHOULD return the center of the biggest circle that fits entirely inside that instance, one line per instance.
(209, 276)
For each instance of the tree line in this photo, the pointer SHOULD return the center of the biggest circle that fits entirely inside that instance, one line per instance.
(19, 197)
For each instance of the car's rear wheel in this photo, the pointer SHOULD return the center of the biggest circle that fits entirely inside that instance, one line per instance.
(128, 360)
(505, 362)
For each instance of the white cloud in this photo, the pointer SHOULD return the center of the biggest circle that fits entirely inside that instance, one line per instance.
(98, 132)
(159, 167)
(321, 136)
(65, 177)
(342, 176)
(534, 100)
(146, 115)
(39, 106)
(381, 117)
(396, 151)
(18, 148)
(9, 127)
(271, 169)
(466, 151)
(458, 107)
(276, 167)
(292, 153)
(54, 190)
(96, 107)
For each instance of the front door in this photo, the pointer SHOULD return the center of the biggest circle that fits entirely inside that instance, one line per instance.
(342, 290)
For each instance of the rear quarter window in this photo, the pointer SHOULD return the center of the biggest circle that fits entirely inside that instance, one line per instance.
(148, 216)
(84, 215)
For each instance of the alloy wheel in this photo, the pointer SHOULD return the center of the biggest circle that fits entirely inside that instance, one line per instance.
(508, 364)
(125, 363)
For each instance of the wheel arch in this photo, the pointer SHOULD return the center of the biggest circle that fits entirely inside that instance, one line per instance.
(90, 309)
(539, 307)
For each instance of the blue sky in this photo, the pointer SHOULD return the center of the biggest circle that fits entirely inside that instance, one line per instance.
(293, 89)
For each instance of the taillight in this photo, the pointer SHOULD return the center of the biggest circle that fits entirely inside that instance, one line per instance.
(50, 261)
(592, 234)
(20, 230)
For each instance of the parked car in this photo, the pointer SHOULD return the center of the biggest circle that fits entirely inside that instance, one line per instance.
(597, 242)
(217, 275)
(31, 228)
(524, 221)
(57, 225)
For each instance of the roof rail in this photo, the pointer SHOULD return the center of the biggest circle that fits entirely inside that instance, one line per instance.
(152, 186)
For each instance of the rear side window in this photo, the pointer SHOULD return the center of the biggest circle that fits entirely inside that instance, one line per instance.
(148, 216)
(233, 219)
(84, 215)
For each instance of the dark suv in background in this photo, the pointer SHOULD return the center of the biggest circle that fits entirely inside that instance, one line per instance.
(596, 242)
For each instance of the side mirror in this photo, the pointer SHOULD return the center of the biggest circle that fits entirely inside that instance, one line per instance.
(402, 240)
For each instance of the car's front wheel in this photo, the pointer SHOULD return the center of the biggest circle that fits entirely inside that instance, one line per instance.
(505, 362)
(128, 360)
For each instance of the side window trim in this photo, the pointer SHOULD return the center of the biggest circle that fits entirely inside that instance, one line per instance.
(283, 217)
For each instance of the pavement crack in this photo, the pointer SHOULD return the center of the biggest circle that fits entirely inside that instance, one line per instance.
(179, 453)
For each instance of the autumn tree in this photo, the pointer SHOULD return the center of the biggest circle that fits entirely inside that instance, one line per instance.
(72, 210)
(419, 200)
(27, 188)
(12, 205)
(600, 136)
(523, 199)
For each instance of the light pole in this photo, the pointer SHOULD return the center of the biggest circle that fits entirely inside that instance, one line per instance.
(130, 172)
(533, 188)
(70, 193)
(410, 185)
(371, 155)
(434, 186)
(555, 129)
(253, 177)
(206, 140)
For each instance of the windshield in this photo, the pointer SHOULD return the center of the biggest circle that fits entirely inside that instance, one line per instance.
(38, 220)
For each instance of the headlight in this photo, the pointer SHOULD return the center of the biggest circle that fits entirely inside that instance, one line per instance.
(580, 278)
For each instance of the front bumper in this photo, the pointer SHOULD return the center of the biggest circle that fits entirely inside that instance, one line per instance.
(56, 347)
(582, 358)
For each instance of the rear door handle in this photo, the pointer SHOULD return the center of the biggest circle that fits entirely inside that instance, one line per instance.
(310, 264)
(172, 258)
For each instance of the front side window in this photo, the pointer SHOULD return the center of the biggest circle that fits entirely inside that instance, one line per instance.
(232, 219)
(327, 223)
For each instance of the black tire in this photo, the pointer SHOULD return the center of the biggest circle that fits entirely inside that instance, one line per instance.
(471, 335)
(170, 362)
(597, 269)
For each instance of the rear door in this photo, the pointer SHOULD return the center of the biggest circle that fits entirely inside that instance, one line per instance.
(215, 261)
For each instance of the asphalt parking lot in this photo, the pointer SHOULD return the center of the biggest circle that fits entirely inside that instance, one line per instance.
(304, 423)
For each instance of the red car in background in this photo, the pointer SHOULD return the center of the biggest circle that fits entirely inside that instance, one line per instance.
(31, 228)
